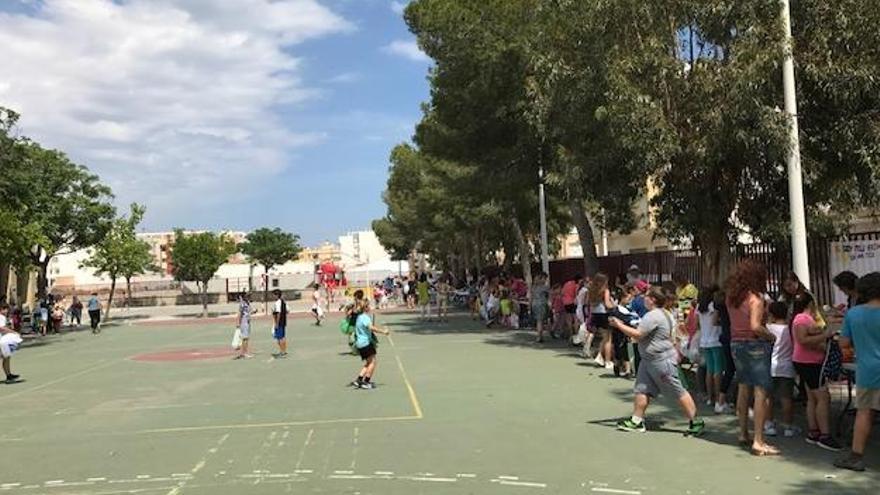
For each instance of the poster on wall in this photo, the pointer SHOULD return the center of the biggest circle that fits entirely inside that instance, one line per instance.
(859, 257)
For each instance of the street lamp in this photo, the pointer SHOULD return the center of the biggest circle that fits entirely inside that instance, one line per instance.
(800, 258)
(545, 257)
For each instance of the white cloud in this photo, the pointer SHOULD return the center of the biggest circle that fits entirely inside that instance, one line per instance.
(407, 49)
(174, 102)
(346, 78)
(398, 7)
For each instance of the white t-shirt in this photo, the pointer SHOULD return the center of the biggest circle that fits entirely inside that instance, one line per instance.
(277, 307)
(581, 300)
(781, 365)
(710, 331)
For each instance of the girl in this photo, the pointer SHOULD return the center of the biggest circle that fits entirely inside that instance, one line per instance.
(599, 298)
(709, 326)
(809, 358)
(540, 299)
(557, 308)
(658, 371)
(444, 288)
(506, 306)
(365, 343)
(244, 325)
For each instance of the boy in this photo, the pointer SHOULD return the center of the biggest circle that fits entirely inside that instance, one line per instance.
(861, 330)
(244, 325)
(279, 316)
(9, 342)
(782, 370)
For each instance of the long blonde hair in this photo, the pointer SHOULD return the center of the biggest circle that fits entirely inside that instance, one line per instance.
(598, 285)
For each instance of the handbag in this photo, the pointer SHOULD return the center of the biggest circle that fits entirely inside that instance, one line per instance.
(832, 369)
(236, 339)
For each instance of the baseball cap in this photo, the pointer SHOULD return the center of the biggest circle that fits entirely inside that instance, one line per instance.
(634, 268)
(642, 286)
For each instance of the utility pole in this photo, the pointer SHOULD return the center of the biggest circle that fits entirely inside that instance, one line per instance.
(545, 256)
(800, 258)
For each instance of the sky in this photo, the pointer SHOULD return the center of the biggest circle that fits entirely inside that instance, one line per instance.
(221, 114)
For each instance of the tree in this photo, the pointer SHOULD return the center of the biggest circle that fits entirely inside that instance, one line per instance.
(270, 248)
(197, 257)
(121, 254)
(67, 203)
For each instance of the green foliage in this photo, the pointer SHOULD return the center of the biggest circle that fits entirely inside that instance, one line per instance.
(271, 247)
(197, 257)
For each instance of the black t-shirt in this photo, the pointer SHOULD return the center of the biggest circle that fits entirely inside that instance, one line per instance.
(282, 315)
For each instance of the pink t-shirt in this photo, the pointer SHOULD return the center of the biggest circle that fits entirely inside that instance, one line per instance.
(741, 320)
(802, 353)
(569, 292)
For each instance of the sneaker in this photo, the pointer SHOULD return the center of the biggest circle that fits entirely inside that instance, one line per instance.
(770, 429)
(248, 356)
(600, 361)
(609, 366)
(696, 428)
(709, 402)
(355, 384)
(367, 386)
(812, 438)
(720, 408)
(791, 431)
(631, 426)
(851, 462)
(240, 356)
(828, 442)
(12, 377)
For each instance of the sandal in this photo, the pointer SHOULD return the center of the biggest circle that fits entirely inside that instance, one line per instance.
(767, 450)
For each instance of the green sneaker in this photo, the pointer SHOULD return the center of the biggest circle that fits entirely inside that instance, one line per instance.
(696, 428)
(631, 426)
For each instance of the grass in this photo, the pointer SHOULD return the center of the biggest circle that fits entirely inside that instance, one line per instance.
(459, 409)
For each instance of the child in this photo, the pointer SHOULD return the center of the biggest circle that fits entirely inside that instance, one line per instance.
(709, 326)
(782, 371)
(540, 299)
(506, 306)
(557, 307)
(599, 297)
(9, 342)
(365, 343)
(492, 307)
(860, 330)
(443, 290)
(317, 307)
(624, 313)
(244, 325)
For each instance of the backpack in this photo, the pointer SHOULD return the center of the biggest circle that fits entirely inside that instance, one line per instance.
(832, 369)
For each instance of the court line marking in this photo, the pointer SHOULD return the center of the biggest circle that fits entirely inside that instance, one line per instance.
(302, 452)
(243, 426)
(103, 364)
(412, 393)
(615, 491)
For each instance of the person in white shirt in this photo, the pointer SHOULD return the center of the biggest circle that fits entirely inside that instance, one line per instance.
(9, 342)
(710, 346)
(279, 317)
(783, 372)
(317, 305)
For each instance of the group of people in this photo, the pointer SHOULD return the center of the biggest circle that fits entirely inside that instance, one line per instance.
(772, 348)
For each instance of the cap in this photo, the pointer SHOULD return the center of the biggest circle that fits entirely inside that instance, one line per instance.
(634, 268)
(642, 286)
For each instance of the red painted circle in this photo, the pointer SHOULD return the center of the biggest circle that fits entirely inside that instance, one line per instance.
(186, 354)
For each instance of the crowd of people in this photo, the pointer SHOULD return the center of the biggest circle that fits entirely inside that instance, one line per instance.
(676, 340)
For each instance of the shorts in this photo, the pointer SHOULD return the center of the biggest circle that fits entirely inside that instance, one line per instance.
(9, 343)
(656, 377)
(367, 352)
(571, 308)
(245, 330)
(714, 359)
(783, 387)
(280, 333)
(44, 314)
(753, 359)
(599, 321)
(868, 398)
(539, 312)
(811, 375)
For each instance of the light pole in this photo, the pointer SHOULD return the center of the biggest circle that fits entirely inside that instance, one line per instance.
(800, 258)
(545, 256)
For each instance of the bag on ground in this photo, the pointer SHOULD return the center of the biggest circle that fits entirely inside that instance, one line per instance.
(236, 339)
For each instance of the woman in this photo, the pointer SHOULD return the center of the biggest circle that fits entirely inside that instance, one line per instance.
(599, 298)
(244, 325)
(539, 302)
(809, 358)
(752, 346)
(76, 310)
(365, 343)
(658, 371)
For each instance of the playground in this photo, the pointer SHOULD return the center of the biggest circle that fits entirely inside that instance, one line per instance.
(161, 408)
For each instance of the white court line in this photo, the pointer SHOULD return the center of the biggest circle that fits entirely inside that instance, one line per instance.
(614, 490)
(302, 451)
(96, 367)
(509, 478)
(421, 478)
(523, 483)
(384, 473)
(96, 479)
(466, 475)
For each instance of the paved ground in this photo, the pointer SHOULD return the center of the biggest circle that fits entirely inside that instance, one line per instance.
(458, 410)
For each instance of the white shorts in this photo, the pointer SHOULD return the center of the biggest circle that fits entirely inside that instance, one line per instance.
(9, 343)
(318, 310)
(245, 329)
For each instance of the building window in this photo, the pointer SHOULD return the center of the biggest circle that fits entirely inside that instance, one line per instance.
(274, 283)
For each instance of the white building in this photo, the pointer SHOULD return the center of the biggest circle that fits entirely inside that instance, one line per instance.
(362, 247)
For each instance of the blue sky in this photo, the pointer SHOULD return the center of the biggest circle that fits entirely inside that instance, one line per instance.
(223, 115)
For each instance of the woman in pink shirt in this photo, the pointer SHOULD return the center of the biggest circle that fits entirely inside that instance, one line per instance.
(809, 359)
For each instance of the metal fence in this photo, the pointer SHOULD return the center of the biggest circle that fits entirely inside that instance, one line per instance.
(662, 266)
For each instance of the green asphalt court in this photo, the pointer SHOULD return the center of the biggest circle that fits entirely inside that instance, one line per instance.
(459, 409)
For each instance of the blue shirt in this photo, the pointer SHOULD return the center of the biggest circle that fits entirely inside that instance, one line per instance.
(94, 305)
(862, 327)
(362, 333)
(638, 306)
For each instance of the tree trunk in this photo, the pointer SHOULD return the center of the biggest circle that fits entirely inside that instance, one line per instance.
(266, 289)
(524, 257)
(110, 299)
(127, 292)
(586, 237)
(203, 292)
(4, 280)
(715, 258)
(43, 277)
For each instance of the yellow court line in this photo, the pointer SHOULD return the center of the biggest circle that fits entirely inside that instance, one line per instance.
(243, 426)
(412, 393)
(104, 364)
